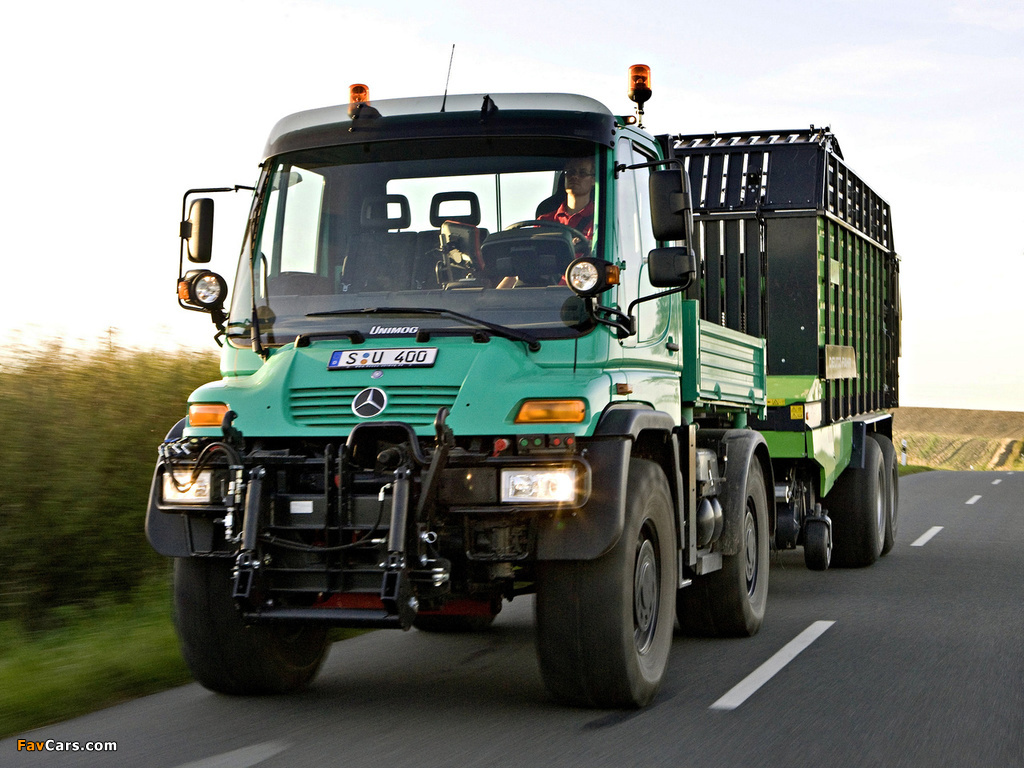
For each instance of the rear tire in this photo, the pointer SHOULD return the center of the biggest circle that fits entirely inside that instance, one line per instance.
(817, 544)
(891, 469)
(604, 627)
(223, 653)
(731, 602)
(857, 506)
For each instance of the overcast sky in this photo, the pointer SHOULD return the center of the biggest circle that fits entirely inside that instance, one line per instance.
(113, 109)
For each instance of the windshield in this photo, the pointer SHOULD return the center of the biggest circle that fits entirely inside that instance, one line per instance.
(361, 237)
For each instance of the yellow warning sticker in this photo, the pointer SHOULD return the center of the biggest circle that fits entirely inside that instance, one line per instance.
(796, 412)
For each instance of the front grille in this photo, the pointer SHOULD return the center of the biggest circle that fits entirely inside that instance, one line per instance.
(332, 406)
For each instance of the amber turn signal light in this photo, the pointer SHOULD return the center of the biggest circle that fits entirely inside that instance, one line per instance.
(551, 411)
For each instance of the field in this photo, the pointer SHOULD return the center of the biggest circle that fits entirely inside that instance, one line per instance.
(950, 438)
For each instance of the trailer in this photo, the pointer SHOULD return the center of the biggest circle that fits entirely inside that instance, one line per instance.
(489, 346)
(799, 249)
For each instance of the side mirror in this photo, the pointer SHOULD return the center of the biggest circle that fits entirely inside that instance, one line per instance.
(671, 205)
(197, 231)
(671, 267)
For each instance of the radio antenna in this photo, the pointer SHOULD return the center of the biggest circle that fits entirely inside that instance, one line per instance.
(444, 100)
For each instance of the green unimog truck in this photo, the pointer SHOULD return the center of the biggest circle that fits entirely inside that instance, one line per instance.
(450, 379)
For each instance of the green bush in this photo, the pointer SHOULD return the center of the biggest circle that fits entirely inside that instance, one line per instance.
(79, 431)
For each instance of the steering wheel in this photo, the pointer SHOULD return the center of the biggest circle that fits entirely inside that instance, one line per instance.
(548, 224)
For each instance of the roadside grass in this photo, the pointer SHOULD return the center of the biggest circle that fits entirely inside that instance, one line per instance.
(913, 469)
(93, 659)
(96, 658)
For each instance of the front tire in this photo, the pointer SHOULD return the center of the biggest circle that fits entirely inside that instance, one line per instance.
(223, 653)
(604, 626)
(731, 602)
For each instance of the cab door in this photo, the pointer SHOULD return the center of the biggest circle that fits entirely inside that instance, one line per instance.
(634, 241)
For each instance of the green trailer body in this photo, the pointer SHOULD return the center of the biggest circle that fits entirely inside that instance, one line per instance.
(799, 249)
(436, 397)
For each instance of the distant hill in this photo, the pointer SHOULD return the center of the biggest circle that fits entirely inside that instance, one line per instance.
(955, 438)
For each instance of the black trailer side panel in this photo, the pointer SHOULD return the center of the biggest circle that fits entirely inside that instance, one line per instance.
(795, 247)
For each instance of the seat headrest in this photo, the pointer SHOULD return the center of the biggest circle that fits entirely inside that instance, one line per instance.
(437, 218)
(377, 212)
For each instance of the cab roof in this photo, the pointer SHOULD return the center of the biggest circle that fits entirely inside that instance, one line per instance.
(526, 114)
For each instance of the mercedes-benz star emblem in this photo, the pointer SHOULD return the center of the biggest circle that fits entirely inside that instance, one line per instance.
(369, 403)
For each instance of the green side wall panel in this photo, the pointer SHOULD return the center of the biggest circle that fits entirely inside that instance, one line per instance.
(728, 367)
(830, 447)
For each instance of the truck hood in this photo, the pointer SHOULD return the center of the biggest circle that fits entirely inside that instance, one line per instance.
(294, 394)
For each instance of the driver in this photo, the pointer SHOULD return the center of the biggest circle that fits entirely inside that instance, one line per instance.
(578, 209)
(576, 212)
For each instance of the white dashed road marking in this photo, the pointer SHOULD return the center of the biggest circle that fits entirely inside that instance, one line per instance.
(928, 535)
(973, 500)
(752, 682)
(241, 758)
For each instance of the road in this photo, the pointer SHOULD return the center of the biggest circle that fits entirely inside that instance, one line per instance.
(921, 665)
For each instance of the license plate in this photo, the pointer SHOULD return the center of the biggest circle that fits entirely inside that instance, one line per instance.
(414, 357)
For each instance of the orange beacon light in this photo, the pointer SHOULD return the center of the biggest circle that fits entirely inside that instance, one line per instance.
(358, 93)
(639, 84)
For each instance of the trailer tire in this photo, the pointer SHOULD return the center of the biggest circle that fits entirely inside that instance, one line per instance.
(857, 507)
(892, 490)
(731, 602)
(224, 654)
(817, 544)
(604, 626)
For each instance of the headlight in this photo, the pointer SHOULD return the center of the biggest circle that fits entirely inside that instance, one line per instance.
(203, 289)
(199, 492)
(209, 290)
(540, 486)
(589, 277)
(583, 277)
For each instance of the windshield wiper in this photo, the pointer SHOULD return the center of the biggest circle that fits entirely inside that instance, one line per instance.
(499, 330)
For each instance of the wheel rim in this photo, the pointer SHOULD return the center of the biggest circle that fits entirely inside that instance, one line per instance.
(880, 509)
(646, 595)
(750, 550)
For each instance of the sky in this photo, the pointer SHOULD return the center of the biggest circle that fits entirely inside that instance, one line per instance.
(114, 109)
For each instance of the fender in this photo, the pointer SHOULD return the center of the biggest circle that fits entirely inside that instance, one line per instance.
(737, 449)
(590, 532)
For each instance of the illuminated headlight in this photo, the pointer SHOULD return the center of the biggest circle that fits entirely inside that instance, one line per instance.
(209, 289)
(583, 276)
(199, 492)
(588, 277)
(542, 486)
(202, 289)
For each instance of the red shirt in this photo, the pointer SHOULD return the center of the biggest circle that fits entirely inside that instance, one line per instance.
(583, 220)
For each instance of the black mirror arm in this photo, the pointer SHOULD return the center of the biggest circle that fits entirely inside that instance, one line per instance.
(185, 228)
(653, 296)
(652, 164)
(624, 324)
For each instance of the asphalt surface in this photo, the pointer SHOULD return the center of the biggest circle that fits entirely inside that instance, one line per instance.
(915, 661)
